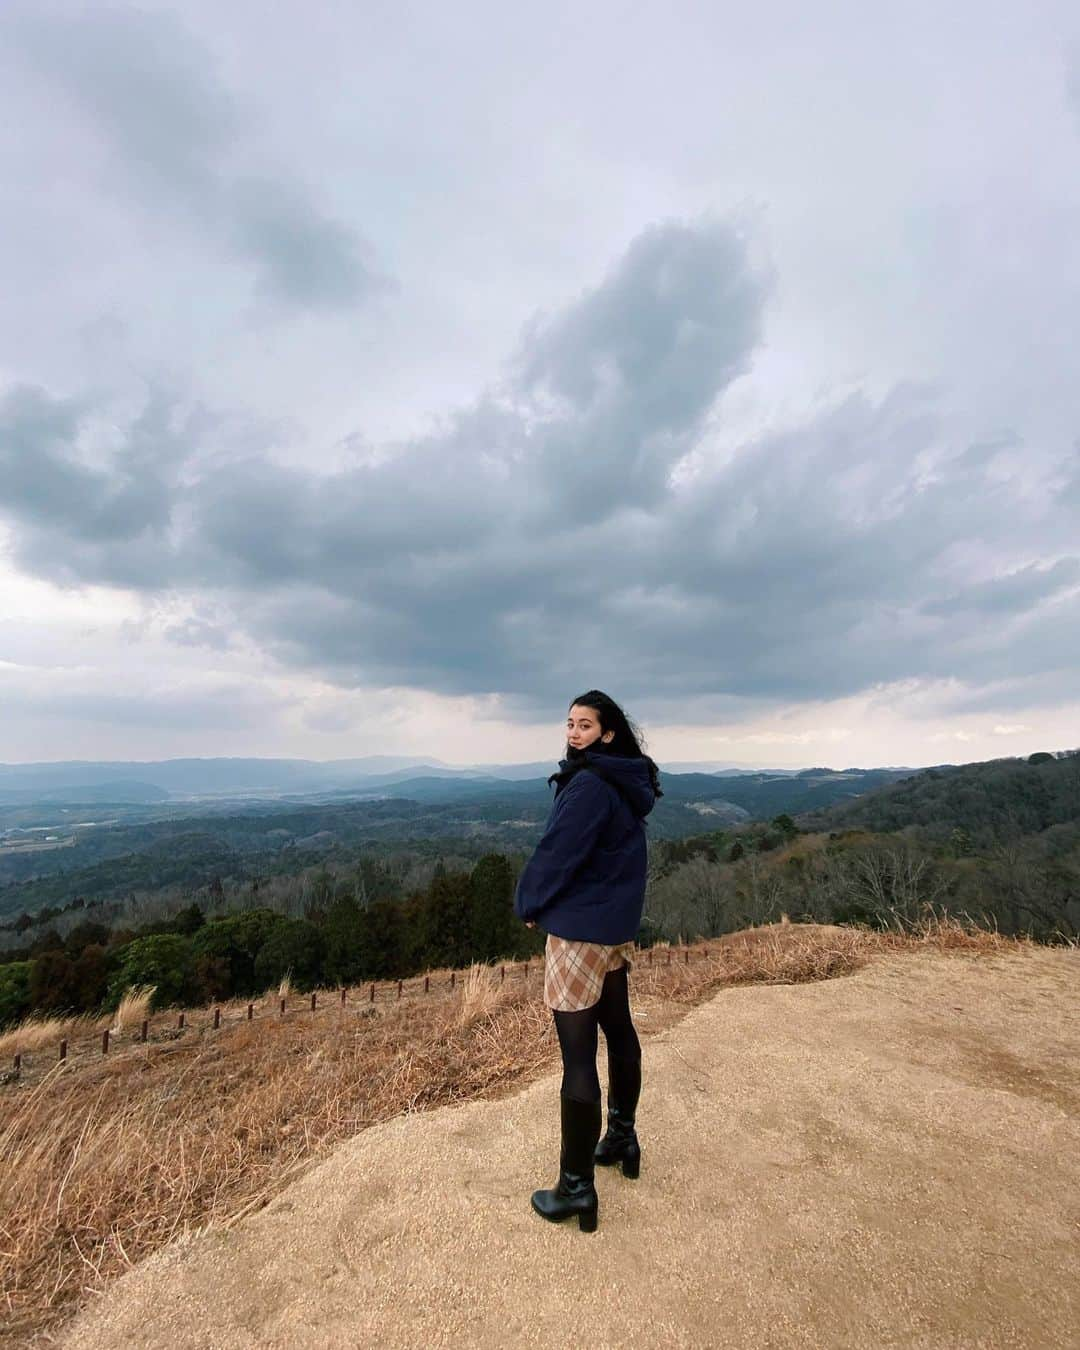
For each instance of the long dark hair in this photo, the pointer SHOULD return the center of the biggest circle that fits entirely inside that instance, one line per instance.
(628, 739)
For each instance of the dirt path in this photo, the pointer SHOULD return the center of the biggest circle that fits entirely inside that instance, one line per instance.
(887, 1159)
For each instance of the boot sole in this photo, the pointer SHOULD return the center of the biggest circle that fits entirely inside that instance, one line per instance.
(587, 1218)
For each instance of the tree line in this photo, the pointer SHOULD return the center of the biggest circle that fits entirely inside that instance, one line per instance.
(353, 927)
(736, 878)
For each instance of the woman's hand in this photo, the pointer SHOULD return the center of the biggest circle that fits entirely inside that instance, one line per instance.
(530, 925)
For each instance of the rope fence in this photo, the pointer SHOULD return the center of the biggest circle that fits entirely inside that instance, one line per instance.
(369, 992)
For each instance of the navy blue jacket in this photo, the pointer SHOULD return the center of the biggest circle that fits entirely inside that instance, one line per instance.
(586, 879)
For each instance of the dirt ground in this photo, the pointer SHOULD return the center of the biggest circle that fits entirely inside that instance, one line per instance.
(890, 1158)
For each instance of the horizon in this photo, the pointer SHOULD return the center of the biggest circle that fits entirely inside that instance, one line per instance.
(407, 761)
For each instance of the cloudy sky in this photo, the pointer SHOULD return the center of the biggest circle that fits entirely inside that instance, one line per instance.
(375, 378)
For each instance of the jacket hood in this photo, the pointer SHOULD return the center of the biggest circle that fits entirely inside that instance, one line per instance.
(627, 774)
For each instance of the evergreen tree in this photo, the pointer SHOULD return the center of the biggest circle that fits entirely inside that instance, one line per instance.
(53, 987)
(414, 917)
(15, 1001)
(446, 921)
(296, 946)
(493, 927)
(91, 976)
(344, 941)
(383, 941)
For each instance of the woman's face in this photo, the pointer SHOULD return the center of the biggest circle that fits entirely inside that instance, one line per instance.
(583, 727)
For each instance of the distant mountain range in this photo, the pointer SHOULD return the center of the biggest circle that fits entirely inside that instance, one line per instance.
(132, 779)
(135, 781)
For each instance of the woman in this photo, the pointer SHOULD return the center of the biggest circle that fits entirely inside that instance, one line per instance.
(585, 886)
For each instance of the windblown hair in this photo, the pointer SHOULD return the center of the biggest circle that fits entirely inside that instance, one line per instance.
(628, 739)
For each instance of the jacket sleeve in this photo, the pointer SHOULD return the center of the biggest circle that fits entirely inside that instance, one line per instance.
(580, 812)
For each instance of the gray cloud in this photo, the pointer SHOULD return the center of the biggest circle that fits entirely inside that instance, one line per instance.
(79, 521)
(631, 369)
(195, 632)
(175, 136)
(537, 540)
(1015, 593)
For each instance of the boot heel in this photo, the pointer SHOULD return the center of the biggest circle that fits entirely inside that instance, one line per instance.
(587, 1220)
(631, 1165)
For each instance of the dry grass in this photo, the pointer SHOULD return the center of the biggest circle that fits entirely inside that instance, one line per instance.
(45, 1033)
(103, 1160)
(133, 1008)
(481, 994)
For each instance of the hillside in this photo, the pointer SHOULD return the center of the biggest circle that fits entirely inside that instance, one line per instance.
(989, 801)
(839, 1163)
(763, 795)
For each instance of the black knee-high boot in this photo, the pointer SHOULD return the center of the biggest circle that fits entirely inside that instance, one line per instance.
(574, 1192)
(620, 1143)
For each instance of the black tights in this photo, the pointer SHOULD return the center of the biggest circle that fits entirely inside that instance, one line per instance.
(577, 1037)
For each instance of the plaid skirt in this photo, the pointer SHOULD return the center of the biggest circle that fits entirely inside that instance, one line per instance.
(574, 971)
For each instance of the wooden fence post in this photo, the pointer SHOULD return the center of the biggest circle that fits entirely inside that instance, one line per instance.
(63, 1049)
(251, 1011)
(217, 1018)
(145, 1030)
(105, 1041)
